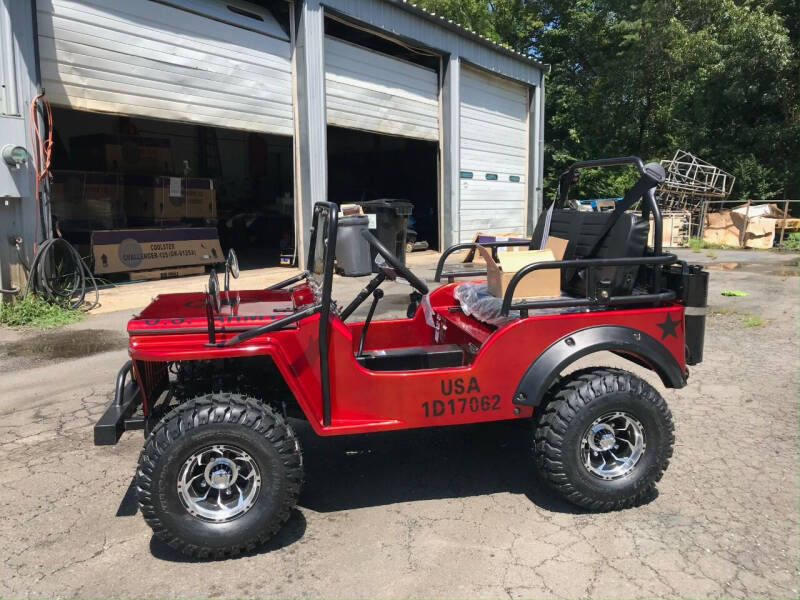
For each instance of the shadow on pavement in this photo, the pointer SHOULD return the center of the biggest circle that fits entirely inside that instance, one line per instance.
(128, 506)
(292, 531)
(448, 462)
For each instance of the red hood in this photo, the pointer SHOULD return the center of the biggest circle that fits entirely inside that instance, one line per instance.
(239, 310)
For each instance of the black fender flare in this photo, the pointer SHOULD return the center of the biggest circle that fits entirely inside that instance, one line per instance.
(631, 343)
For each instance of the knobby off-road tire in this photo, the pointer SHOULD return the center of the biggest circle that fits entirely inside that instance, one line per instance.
(576, 425)
(243, 440)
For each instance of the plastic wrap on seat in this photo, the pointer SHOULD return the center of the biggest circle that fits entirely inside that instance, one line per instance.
(476, 301)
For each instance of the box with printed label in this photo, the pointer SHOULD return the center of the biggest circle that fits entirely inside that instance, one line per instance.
(123, 250)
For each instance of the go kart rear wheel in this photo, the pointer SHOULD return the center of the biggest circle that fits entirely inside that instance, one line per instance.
(604, 439)
(219, 475)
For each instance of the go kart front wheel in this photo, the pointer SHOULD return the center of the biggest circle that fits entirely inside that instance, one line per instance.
(219, 475)
(604, 440)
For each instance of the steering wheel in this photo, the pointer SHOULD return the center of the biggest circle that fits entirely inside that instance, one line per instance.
(399, 267)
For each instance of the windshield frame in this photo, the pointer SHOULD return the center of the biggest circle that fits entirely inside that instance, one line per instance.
(328, 211)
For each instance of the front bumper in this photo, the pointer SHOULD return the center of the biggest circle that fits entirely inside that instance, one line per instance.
(119, 415)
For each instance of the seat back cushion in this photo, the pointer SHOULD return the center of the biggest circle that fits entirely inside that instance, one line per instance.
(627, 239)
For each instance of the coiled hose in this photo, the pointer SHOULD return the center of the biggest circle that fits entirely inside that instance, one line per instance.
(58, 274)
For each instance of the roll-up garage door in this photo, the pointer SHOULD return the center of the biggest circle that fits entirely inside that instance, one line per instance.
(224, 64)
(371, 91)
(494, 155)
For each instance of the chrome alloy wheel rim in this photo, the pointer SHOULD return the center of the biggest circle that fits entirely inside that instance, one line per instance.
(612, 445)
(219, 483)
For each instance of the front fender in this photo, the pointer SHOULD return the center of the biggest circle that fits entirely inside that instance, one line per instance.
(631, 343)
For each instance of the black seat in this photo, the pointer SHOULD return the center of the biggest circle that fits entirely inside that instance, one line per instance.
(626, 239)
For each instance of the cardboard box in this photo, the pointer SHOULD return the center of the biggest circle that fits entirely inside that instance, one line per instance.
(759, 232)
(168, 273)
(732, 228)
(197, 195)
(169, 198)
(675, 227)
(89, 199)
(348, 210)
(144, 197)
(174, 203)
(482, 238)
(543, 283)
(124, 250)
(122, 153)
(770, 210)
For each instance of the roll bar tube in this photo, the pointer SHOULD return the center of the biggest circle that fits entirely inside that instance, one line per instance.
(393, 262)
(286, 282)
(269, 327)
(658, 223)
(469, 246)
(332, 210)
(589, 263)
(649, 205)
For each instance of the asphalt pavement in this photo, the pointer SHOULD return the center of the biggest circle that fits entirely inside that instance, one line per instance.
(454, 512)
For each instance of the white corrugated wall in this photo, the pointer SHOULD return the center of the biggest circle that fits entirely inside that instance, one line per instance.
(371, 91)
(144, 58)
(493, 155)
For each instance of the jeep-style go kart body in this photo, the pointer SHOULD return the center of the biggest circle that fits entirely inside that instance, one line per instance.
(214, 375)
(481, 387)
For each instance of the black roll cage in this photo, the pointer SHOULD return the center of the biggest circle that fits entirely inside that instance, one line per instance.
(323, 306)
(658, 259)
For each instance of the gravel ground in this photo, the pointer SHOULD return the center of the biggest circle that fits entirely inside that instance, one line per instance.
(438, 513)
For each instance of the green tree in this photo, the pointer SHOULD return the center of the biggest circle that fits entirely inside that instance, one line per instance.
(507, 22)
(718, 78)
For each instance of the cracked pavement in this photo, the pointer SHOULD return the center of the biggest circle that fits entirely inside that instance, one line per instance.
(452, 512)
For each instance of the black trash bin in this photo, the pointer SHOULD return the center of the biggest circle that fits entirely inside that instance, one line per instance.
(391, 220)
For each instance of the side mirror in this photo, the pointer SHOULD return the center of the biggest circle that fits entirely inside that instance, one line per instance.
(231, 268)
(213, 291)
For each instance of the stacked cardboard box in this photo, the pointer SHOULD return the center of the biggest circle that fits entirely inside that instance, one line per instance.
(84, 200)
(750, 226)
(144, 198)
(149, 199)
(87, 200)
(200, 197)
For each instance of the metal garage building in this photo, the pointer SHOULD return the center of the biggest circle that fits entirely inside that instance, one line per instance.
(357, 98)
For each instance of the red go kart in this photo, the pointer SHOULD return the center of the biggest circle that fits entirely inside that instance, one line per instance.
(215, 376)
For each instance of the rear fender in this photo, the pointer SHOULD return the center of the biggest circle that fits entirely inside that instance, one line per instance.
(624, 341)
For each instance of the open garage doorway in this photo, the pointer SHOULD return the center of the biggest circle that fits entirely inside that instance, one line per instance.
(122, 174)
(368, 166)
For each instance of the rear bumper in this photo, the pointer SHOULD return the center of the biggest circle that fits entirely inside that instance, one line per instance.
(690, 283)
(119, 415)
